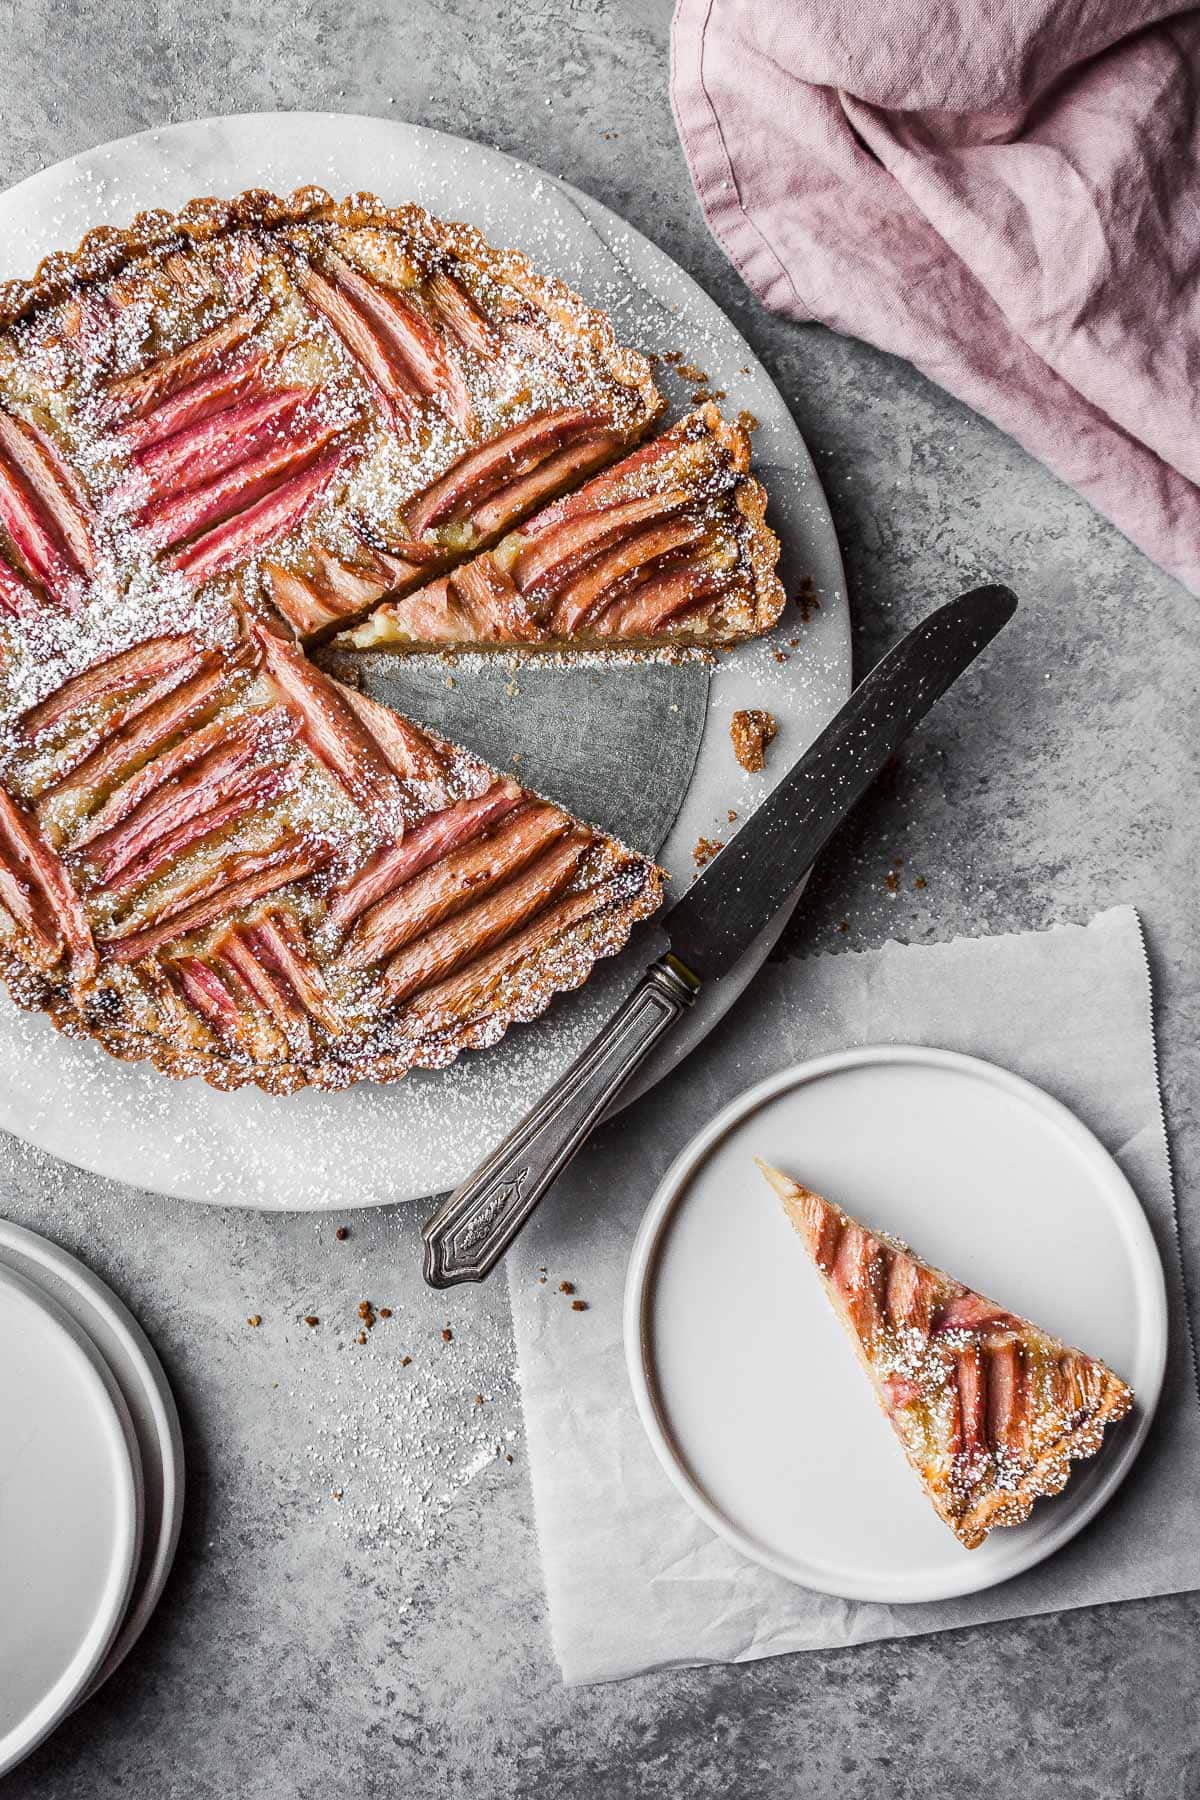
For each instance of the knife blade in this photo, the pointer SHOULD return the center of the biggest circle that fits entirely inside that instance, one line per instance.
(710, 927)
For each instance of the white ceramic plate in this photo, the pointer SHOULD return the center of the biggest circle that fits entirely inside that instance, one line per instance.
(139, 1375)
(750, 1395)
(70, 1514)
(375, 1144)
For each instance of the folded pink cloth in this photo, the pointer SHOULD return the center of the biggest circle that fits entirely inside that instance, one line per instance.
(1006, 192)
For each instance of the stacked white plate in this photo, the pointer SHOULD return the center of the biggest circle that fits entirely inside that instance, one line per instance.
(91, 1486)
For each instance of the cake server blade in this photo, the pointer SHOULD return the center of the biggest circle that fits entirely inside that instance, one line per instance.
(710, 927)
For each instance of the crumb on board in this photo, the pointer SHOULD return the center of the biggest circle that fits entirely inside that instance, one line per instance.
(311, 1320)
(566, 1287)
(750, 731)
(807, 601)
(731, 816)
(255, 1319)
(447, 1335)
(579, 1306)
(706, 849)
(342, 1233)
(920, 882)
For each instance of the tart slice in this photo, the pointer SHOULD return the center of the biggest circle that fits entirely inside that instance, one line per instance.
(991, 1411)
(667, 547)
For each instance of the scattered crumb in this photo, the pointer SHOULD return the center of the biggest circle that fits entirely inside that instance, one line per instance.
(255, 1319)
(706, 849)
(807, 601)
(342, 1233)
(337, 1493)
(891, 882)
(579, 1306)
(311, 1319)
(747, 421)
(731, 815)
(566, 1287)
(508, 1458)
(404, 1361)
(447, 1335)
(385, 1312)
(781, 656)
(920, 882)
(366, 1313)
(750, 732)
(450, 681)
(843, 924)
(361, 1338)
(479, 1399)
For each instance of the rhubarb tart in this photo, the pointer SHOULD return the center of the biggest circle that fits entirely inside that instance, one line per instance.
(213, 855)
(991, 1411)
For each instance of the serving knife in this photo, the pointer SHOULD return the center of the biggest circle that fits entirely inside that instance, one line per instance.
(710, 927)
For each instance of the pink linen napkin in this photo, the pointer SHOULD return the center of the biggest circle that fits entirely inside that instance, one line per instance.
(1006, 192)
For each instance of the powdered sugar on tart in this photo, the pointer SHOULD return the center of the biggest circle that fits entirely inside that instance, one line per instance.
(212, 854)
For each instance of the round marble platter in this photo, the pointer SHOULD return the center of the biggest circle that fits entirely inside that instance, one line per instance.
(665, 729)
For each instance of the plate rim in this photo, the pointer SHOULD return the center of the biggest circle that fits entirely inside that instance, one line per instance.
(143, 1365)
(1145, 1259)
(830, 557)
(60, 1700)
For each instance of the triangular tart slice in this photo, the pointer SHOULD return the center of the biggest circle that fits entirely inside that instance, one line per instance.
(668, 548)
(991, 1410)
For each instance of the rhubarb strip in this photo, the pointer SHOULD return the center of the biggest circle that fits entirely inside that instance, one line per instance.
(272, 518)
(547, 562)
(592, 589)
(412, 341)
(54, 486)
(172, 802)
(460, 315)
(237, 486)
(36, 543)
(243, 793)
(374, 357)
(457, 880)
(133, 396)
(28, 910)
(46, 870)
(469, 933)
(190, 407)
(507, 505)
(478, 474)
(332, 731)
(435, 837)
(148, 724)
(150, 661)
(241, 882)
(280, 944)
(207, 452)
(468, 994)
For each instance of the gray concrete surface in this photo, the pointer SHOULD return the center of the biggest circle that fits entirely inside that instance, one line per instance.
(304, 1649)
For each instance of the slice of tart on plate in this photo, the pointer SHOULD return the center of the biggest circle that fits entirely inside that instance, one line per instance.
(991, 1411)
(668, 547)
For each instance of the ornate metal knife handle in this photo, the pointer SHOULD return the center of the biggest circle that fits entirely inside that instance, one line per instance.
(471, 1230)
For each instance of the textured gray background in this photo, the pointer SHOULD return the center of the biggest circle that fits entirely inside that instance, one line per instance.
(297, 1656)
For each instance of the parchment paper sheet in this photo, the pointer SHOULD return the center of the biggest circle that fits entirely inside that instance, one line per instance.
(634, 1580)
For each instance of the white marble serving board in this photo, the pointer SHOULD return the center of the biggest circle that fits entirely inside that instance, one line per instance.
(373, 1144)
